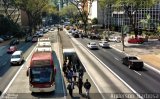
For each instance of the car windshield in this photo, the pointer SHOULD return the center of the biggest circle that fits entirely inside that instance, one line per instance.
(15, 56)
(104, 42)
(41, 74)
(93, 43)
(133, 58)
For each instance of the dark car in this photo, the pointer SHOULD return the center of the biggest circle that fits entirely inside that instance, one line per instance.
(132, 62)
(28, 39)
(34, 39)
(5, 37)
(75, 35)
(14, 42)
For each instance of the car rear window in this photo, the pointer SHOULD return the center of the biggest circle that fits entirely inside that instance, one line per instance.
(132, 58)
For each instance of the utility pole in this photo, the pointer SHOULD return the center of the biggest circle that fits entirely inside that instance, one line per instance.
(122, 30)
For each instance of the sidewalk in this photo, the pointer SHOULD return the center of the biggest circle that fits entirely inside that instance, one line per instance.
(149, 52)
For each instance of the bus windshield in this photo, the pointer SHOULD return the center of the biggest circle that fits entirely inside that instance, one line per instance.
(41, 74)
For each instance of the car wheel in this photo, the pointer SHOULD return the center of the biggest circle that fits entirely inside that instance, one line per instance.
(130, 67)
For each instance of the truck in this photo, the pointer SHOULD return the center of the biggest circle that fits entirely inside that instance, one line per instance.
(133, 62)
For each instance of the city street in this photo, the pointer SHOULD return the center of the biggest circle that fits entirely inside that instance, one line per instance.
(79, 49)
(16, 84)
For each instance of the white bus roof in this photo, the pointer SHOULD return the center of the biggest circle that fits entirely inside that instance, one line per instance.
(68, 50)
(44, 39)
(44, 43)
(43, 49)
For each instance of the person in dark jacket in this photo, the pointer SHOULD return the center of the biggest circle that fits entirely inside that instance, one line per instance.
(64, 69)
(70, 87)
(81, 72)
(87, 86)
(80, 85)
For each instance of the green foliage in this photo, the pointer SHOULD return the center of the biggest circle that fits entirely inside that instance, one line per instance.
(95, 21)
(33, 8)
(69, 11)
(8, 25)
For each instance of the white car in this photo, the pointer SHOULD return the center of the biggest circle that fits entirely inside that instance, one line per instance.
(114, 38)
(51, 29)
(92, 45)
(17, 58)
(103, 44)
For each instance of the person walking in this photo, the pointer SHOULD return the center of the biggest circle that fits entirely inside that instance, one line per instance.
(70, 87)
(70, 75)
(80, 85)
(74, 75)
(81, 72)
(87, 86)
(64, 69)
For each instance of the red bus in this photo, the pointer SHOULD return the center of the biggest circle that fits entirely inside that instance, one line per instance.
(42, 72)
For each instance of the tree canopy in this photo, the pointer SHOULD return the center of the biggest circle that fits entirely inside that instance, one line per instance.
(33, 9)
(83, 7)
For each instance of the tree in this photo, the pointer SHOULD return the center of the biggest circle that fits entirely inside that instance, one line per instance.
(83, 7)
(11, 13)
(8, 25)
(103, 5)
(69, 11)
(95, 21)
(146, 22)
(33, 9)
(131, 7)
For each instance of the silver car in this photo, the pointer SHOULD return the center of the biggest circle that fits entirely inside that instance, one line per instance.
(103, 44)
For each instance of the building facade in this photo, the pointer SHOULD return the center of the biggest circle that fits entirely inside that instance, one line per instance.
(120, 18)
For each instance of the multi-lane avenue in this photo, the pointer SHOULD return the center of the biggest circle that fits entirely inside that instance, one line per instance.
(104, 67)
(143, 82)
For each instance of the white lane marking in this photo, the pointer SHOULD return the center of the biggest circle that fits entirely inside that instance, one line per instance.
(116, 58)
(10, 83)
(137, 72)
(152, 68)
(138, 95)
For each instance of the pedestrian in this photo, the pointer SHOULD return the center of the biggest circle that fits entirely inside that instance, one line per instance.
(81, 72)
(80, 85)
(87, 86)
(70, 75)
(74, 75)
(64, 69)
(70, 87)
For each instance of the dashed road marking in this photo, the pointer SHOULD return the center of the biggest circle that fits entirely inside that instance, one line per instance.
(116, 58)
(137, 72)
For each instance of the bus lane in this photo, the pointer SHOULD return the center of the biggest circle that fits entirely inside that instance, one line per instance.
(18, 88)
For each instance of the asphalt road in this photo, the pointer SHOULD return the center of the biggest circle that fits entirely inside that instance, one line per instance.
(6, 70)
(19, 87)
(143, 82)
